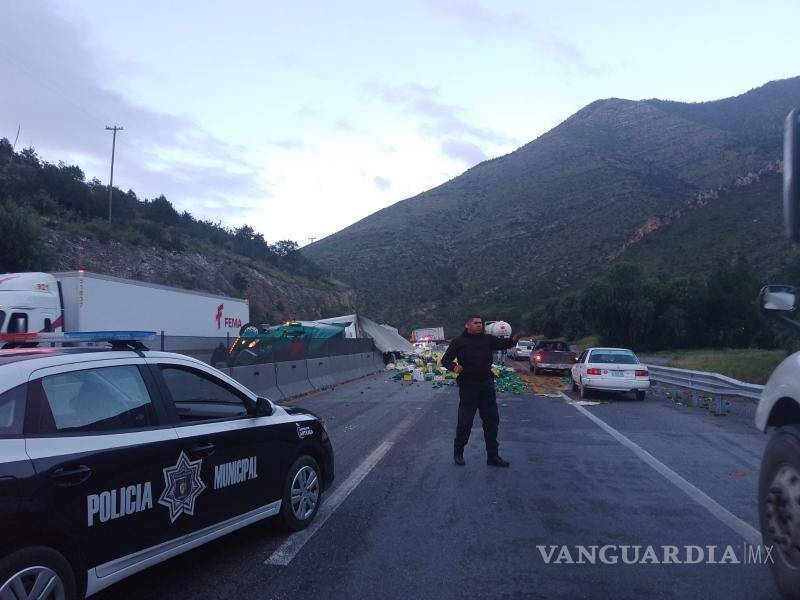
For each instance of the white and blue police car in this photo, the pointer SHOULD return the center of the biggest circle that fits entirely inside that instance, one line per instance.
(115, 459)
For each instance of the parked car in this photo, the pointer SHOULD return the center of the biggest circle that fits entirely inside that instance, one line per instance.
(551, 355)
(521, 350)
(114, 460)
(610, 369)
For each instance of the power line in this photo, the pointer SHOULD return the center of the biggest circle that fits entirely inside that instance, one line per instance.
(115, 129)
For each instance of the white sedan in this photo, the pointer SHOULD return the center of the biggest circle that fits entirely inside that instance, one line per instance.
(521, 350)
(610, 369)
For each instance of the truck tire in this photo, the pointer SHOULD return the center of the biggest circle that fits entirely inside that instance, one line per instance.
(778, 494)
(35, 566)
(302, 494)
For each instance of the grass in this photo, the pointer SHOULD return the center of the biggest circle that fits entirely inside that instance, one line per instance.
(589, 341)
(750, 365)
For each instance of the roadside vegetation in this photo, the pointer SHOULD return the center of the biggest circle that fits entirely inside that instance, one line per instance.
(745, 364)
(35, 193)
(630, 308)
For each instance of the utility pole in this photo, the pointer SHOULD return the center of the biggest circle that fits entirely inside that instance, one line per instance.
(115, 129)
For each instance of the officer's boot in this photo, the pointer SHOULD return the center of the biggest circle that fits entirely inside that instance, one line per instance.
(493, 460)
(458, 456)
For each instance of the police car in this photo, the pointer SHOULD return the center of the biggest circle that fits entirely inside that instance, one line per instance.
(115, 459)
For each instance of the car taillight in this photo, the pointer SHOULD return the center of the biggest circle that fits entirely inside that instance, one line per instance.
(538, 358)
(641, 373)
(593, 371)
(576, 358)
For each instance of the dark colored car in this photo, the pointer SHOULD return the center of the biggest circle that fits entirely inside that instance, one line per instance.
(551, 355)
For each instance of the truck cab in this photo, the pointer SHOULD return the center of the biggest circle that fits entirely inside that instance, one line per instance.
(778, 411)
(29, 303)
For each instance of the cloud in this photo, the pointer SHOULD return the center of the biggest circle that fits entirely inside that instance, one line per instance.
(440, 118)
(53, 89)
(482, 22)
(346, 126)
(306, 111)
(382, 183)
(290, 144)
(467, 152)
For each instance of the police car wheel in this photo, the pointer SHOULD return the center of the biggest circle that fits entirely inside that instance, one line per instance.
(302, 494)
(37, 572)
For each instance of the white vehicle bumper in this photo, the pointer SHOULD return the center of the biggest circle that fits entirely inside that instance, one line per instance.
(617, 384)
(554, 366)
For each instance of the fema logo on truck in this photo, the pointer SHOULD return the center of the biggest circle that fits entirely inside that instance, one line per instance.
(228, 321)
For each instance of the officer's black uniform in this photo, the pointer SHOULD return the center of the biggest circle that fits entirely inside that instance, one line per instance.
(476, 387)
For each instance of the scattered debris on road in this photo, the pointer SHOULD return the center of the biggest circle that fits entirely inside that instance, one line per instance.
(427, 366)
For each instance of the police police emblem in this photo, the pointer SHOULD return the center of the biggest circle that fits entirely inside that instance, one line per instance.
(182, 487)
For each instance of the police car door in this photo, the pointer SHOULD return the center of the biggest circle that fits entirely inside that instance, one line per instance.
(99, 442)
(227, 465)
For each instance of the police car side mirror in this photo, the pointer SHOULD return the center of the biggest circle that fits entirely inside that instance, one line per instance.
(263, 407)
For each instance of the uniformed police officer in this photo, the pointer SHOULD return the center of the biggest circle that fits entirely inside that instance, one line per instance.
(473, 349)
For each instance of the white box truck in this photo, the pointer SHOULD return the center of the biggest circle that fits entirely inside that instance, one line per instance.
(81, 301)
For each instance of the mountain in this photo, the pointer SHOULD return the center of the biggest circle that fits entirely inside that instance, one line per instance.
(645, 181)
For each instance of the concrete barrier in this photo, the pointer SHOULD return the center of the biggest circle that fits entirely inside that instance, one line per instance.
(340, 367)
(292, 378)
(282, 380)
(367, 368)
(259, 378)
(319, 373)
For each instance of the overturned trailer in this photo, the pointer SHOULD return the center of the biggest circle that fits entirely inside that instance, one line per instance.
(385, 337)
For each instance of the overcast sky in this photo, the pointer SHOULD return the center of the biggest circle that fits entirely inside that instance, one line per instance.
(300, 118)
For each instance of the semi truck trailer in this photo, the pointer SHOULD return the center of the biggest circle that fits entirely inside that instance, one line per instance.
(82, 301)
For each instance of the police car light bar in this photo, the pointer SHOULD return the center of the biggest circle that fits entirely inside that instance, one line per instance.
(77, 336)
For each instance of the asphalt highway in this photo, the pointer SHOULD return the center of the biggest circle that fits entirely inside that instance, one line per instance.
(402, 521)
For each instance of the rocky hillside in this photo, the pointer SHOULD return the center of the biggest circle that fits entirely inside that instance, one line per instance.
(274, 294)
(52, 218)
(670, 178)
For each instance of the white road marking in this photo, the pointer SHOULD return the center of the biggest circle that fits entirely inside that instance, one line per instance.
(747, 531)
(284, 554)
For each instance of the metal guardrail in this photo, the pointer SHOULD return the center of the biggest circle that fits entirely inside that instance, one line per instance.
(704, 386)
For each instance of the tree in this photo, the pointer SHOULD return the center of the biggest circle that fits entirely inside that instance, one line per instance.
(160, 210)
(285, 248)
(25, 249)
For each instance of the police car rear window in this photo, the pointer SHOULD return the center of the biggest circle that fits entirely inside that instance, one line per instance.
(619, 357)
(102, 399)
(12, 411)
